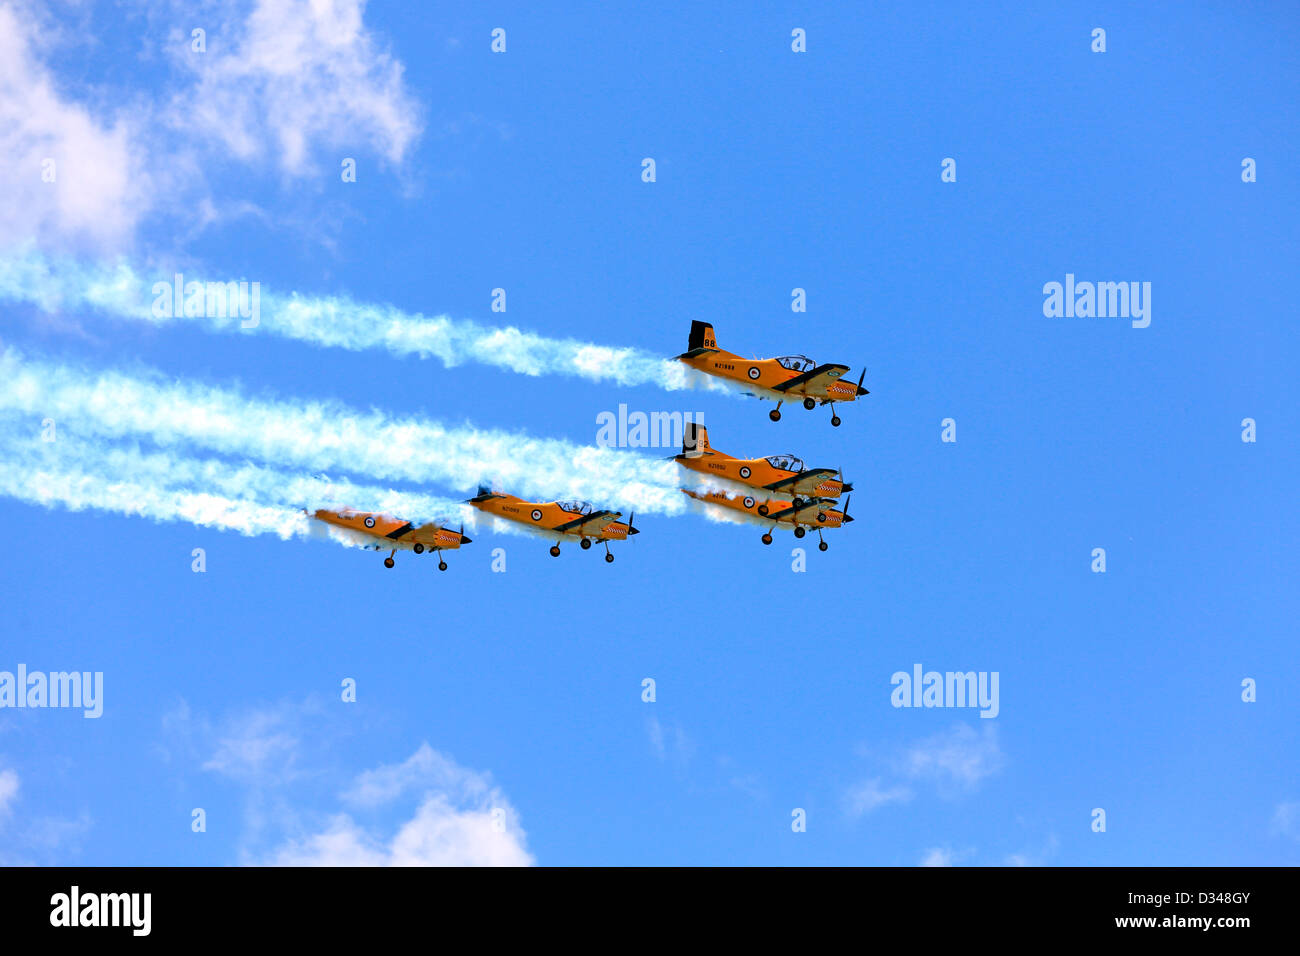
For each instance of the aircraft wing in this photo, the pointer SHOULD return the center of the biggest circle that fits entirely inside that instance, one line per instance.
(587, 524)
(806, 514)
(813, 384)
(804, 483)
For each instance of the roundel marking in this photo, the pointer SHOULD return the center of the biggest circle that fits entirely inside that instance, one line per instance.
(537, 514)
(749, 502)
(753, 372)
(370, 521)
(744, 471)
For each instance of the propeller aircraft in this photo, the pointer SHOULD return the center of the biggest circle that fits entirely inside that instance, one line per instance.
(779, 475)
(558, 519)
(381, 531)
(778, 379)
(815, 513)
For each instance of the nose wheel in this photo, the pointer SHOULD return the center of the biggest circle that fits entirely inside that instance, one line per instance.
(609, 558)
(821, 545)
(442, 565)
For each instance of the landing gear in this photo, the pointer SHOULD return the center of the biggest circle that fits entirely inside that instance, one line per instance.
(762, 510)
(835, 421)
(798, 503)
(388, 561)
(442, 565)
(809, 404)
(767, 539)
(609, 558)
(775, 414)
(417, 548)
(821, 545)
(555, 550)
(799, 531)
(585, 544)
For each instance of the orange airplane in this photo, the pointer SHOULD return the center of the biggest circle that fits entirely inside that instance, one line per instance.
(779, 474)
(386, 531)
(778, 379)
(813, 513)
(558, 519)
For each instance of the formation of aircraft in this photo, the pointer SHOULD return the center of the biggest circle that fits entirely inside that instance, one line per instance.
(789, 377)
(558, 519)
(784, 490)
(380, 531)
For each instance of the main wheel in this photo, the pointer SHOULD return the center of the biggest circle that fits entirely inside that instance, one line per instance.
(417, 548)
(442, 565)
(767, 539)
(798, 503)
(608, 557)
(809, 404)
(585, 544)
(835, 421)
(774, 414)
(762, 509)
(555, 550)
(822, 545)
(799, 532)
(389, 562)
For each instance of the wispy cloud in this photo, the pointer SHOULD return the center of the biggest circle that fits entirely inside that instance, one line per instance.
(953, 763)
(278, 83)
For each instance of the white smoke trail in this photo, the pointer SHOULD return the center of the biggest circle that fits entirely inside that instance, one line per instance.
(336, 322)
(78, 473)
(329, 436)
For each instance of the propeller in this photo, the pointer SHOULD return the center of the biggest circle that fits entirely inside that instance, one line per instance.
(861, 390)
(847, 516)
(846, 486)
(463, 539)
(631, 530)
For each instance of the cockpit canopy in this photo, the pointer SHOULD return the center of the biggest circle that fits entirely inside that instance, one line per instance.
(576, 507)
(797, 363)
(785, 463)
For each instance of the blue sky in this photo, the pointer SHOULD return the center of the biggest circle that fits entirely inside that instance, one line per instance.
(522, 691)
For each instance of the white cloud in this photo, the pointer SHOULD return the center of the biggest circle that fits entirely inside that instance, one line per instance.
(291, 74)
(8, 790)
(953, 762)
(462, 819)
(961, 757)
(281, 82)
(100, 189)
(872, 794)
(937, 857)
(1286, 819)
(256, 747)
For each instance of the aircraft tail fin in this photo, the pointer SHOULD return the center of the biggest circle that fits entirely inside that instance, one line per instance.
(702, 337)
(695, 440)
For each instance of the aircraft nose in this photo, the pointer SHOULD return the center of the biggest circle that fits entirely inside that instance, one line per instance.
(862, 391)
(466, 539)
(848, 518)
(847, 487)
(632, 530)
